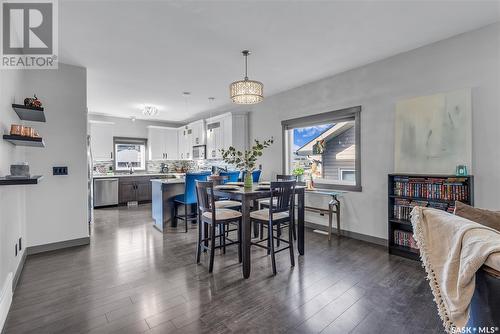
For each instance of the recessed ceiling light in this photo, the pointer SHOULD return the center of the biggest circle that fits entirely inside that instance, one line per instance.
(150, 111)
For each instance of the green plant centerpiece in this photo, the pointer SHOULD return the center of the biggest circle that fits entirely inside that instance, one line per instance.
(299, 173)
(246, 161)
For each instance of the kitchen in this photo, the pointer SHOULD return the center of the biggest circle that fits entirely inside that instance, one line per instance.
(161, 150)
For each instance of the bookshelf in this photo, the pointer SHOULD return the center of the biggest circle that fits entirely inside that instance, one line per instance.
(409, 190)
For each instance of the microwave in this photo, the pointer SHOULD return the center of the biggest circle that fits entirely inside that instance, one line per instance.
(199, 152)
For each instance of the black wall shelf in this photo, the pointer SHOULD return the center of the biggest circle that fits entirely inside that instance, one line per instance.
(24, 141)
(406, 189)
(32, 114)
(18, 181)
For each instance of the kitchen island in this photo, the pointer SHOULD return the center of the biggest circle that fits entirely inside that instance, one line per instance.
(162, 208)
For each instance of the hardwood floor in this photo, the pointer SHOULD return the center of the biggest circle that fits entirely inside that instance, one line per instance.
(133, 279)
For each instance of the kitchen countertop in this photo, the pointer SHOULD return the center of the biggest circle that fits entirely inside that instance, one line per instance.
(103, 176)
(169, 181)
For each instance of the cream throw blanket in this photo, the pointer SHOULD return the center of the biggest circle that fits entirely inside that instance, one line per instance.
(452, 249)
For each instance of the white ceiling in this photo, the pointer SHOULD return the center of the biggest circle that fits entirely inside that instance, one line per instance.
(149, 52)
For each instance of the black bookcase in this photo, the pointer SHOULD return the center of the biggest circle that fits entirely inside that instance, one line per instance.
(409, 190)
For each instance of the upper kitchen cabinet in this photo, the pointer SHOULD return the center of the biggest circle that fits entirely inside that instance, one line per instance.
(162, 143)
(229, 129)
(101, 140)
(185, 145)
(197, 132)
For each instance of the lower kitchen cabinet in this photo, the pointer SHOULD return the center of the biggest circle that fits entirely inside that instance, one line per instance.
(132, 188)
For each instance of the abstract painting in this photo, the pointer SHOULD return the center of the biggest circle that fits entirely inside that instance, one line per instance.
(434, 133)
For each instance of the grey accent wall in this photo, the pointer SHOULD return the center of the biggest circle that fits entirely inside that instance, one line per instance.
(467, 60)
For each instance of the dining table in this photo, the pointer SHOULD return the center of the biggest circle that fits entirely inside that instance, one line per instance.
(249, 198)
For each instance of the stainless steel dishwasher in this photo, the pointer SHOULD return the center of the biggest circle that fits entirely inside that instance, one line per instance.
(105, 192)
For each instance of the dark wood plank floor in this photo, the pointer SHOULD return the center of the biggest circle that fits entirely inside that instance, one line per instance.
(133, 279)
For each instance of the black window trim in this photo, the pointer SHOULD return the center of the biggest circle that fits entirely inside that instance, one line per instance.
(330, 116)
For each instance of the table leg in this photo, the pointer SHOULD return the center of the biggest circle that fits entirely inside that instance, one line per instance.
(338, 216)
(300, 222)
(246, 237)
(330, 219)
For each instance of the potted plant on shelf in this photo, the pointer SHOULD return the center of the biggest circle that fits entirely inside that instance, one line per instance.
(299, 173)
(246, 161)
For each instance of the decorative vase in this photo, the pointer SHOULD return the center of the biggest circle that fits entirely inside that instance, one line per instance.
(248, 179)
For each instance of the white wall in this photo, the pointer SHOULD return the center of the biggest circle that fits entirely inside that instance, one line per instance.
(124, 127)
(468, 60)
(57, 206)
(12, 198)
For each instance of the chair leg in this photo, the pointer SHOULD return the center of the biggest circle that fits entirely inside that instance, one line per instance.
(223, 238)
(271, 237)
(292, 225)
(174, 220)
(186, 216)
(240, 226)
(200, 237)
(261, 227)
(279, 234)
(290, 245)
(212, 249)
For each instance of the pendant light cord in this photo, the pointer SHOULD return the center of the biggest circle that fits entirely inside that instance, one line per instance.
(245, 54)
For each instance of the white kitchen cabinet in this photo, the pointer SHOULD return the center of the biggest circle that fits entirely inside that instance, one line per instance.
(162, 143)
(101, 140)
(197, 133)
(224, 131)
(185, 146)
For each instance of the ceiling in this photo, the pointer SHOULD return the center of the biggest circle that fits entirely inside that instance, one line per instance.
(149, 52)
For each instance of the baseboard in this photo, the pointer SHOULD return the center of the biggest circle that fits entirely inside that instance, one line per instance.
(349, 234)
(5, 300)
(19, 270)
(58, 245)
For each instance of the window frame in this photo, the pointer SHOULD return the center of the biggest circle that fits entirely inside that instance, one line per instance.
(129, 140)
(334, 116)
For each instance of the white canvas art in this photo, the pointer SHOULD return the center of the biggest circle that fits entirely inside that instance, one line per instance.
(434, 133)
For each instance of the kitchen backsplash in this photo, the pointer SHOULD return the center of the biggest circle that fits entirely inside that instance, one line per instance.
(154, 166)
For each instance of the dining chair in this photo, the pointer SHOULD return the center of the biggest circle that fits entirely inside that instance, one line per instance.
(211, 220)
(233, 175)
(223, 203)
(279, 215)
(188, 198)
(265, 204)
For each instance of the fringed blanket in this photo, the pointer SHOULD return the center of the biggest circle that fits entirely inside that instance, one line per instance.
(452, 249)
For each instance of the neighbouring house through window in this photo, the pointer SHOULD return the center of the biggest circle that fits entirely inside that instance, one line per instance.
(130, 153)
(326, 148)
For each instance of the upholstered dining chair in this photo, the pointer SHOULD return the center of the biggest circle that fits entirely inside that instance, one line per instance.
(282, 192)
(212, 220)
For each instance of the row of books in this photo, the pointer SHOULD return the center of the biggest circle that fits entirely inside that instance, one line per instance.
(453, 189)
(404, 238)
(402, 207)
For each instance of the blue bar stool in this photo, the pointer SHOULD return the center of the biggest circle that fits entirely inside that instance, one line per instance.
(233, 175)
(255, 175)
(189, 197)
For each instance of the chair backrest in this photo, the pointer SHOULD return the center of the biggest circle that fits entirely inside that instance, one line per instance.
(282, 193)
(190, 185)
(204, 195)
(233, 175)
(218, 179)
(285, 177)
(255, 175)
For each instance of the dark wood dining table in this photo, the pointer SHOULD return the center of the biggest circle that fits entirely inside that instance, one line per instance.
(249, 196)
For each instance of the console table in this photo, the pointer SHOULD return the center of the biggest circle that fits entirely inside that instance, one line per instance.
(333, 207)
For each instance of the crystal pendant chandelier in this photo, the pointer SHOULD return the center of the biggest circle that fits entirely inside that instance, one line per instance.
(246, 91)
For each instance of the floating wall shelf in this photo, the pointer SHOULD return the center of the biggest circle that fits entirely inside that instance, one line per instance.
(24, 141)
(33, 114)
(17, 181)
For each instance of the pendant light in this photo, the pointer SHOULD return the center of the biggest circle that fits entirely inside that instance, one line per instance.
(246, 91)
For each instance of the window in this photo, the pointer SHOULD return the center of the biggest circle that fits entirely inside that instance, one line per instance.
(129, 153)
(326, 147)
